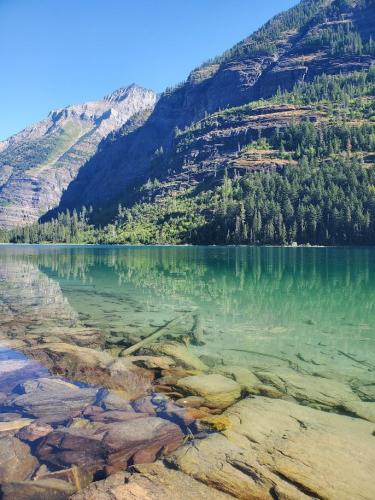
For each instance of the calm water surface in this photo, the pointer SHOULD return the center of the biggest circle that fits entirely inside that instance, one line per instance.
(287, 302)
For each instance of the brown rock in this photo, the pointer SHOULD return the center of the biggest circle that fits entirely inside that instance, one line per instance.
(74, 446)
(16, 461)
(150, 482)
(94, 367)
(112, 416)
(46, 489)
(34, 431)
(191, 401)
(76, 476)
(124, 440)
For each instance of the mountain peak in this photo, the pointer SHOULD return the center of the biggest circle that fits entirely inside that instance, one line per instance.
(124, 92)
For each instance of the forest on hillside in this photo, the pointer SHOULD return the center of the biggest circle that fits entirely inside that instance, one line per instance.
(324, 195)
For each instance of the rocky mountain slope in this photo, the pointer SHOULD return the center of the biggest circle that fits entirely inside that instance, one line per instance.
(315, 37)
(37, 164)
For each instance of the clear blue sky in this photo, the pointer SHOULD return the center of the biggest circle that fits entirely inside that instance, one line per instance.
(59, 52)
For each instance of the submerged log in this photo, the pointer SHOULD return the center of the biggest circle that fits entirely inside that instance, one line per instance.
(197, 330)
(159, 332)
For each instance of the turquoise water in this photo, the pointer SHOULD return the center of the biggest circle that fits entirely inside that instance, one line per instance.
(310, 306)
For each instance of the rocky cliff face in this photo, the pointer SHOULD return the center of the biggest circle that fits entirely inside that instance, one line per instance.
(37, 164)
(295, 46)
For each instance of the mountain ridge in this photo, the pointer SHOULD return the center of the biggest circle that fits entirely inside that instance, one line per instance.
(39, 162)
(240, 78)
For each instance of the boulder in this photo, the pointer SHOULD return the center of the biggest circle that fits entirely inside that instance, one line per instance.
(80, 446)
(113, 400)
(51, 399)
(218, 391)
(180, 354)
(16, 461)
(34, 431)
(139, 441)
(149, 482)
(46, 489)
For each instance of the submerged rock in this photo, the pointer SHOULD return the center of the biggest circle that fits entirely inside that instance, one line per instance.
(317, 392)
(218, 391)
(14, 425)
(191, 402)
(150, 482)
(46, 489)
(51, 399)
(109, 444)
(180, 354)
(34, 431)
(80, 446)
(280, 449)
(113, 400)
(140, 440)
(93, 367)
(16, 461)
(77, 477)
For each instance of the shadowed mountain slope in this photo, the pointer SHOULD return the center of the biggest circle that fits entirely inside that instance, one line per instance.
(315, 37)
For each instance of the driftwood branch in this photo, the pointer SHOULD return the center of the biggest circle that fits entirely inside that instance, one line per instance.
(159, 332)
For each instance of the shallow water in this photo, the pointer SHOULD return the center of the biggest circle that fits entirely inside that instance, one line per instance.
(280, 312)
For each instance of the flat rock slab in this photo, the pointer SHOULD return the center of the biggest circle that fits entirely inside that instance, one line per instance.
(218, 391)
(14, 425)
(150, 482)
(279, 449)
(51, 397)
(94, 367)
(46, 489)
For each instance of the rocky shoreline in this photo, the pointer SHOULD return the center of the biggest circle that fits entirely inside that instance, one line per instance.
(164, 423)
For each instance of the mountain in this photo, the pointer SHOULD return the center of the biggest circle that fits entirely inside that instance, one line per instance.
(315, 37)
(37, 164)
(273, 142)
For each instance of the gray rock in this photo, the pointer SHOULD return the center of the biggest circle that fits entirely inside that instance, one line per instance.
(52, 398)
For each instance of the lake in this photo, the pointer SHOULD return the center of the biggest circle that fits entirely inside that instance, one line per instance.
(301, 319)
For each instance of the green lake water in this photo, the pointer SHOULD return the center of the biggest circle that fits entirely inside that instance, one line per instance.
(311, 305)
